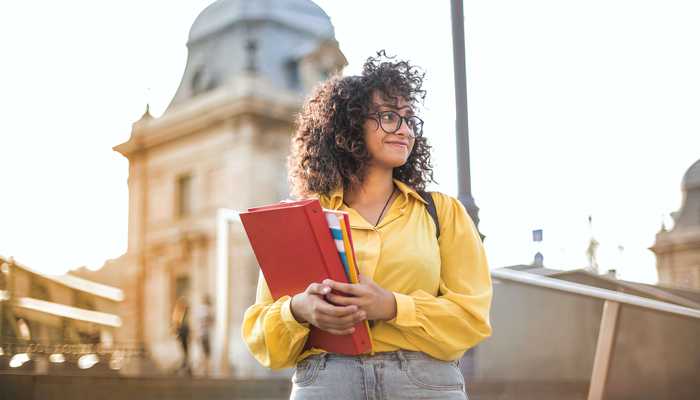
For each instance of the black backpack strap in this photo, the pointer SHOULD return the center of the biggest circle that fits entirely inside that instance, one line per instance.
(427, 196)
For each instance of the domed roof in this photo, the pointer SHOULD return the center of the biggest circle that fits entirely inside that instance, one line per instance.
(691, 179)
(304, 15)
(267, 38)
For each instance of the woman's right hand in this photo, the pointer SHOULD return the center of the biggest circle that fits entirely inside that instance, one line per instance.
(311, 306)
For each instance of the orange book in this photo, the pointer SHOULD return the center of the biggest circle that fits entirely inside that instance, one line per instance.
(294, 247)
(354, 276)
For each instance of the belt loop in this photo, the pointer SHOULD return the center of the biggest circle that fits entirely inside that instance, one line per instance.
(322, 363)
(402, 360)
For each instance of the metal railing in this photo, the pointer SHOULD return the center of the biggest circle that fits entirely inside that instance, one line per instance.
(613, 301)
(603, 294)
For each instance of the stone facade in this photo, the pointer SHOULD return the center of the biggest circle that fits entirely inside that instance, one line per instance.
(678, 250)
(221, 145)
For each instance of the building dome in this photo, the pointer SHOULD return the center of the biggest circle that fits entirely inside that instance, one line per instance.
(689, 216)
(265, 37)
(691, 179)
(304, 15)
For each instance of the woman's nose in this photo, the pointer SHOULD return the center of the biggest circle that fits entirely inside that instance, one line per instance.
(404, 129)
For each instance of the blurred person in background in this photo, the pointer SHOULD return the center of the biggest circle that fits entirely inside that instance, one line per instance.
(205, 324)
(181, 328)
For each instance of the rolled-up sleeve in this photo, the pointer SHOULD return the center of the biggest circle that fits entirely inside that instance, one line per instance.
(455, 320)
(272, 334)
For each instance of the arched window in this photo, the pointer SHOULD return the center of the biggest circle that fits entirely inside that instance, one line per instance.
(292, 74)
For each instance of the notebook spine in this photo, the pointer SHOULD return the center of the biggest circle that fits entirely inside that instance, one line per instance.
(319, 226)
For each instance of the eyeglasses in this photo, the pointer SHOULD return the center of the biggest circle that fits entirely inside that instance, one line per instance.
(390, 122)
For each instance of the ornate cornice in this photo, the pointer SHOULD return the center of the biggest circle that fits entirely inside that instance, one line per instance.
(247, 95)
(673, 241)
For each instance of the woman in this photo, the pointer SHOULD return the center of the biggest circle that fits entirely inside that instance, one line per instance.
(359, 148)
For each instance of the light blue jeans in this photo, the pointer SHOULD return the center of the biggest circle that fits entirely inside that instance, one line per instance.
(393, 375)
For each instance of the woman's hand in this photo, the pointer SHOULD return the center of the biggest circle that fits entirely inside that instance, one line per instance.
(310, 306)
(377, 302)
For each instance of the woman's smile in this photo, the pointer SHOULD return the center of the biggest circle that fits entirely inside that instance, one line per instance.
(398, 144)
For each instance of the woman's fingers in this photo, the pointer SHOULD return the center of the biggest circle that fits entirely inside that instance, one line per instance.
(318, 288)
(349, 288)
(325, 308)
(328, 316)
(342, 322)
(338, 318)
(343, 300)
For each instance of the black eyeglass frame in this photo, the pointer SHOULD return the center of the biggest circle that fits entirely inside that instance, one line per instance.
(418, 132)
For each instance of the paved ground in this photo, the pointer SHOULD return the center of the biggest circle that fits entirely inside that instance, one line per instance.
(50, 387)
(14, 386)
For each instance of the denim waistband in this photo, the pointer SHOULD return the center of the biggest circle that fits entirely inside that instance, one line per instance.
(399, 355)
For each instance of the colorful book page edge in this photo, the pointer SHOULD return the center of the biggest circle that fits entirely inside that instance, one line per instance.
(346, 219)
(337, 233)
(354, 278)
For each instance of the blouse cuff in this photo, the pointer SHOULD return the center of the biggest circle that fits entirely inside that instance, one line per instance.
(405, 311)
(288, 318)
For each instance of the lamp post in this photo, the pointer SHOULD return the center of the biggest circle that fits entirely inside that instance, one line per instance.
(462, 124)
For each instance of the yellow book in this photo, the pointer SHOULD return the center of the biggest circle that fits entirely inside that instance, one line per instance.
(349, 253)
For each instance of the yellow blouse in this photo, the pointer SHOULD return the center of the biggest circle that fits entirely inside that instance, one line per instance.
(443, 293)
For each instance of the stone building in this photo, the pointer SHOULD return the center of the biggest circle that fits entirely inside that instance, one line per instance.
(48, 322)
(221, 143)
(678, 250)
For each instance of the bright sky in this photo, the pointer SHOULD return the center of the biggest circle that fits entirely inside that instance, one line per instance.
(575, 109)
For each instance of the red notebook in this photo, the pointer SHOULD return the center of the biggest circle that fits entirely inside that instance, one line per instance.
(294, 247)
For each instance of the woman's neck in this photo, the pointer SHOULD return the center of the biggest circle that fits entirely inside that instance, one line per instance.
(377, 186)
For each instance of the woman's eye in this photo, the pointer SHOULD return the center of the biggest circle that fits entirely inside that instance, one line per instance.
(389, 117)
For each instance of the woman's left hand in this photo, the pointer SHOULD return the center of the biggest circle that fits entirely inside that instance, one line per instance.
(377, 302)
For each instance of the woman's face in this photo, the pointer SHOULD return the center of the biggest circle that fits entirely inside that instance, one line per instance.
(390, 150)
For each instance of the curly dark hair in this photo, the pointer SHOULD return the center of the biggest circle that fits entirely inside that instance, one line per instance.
(328, 147)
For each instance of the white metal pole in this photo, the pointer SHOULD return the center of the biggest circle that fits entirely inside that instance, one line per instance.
(221, 326)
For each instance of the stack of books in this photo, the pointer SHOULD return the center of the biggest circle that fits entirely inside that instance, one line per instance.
(298, 243)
